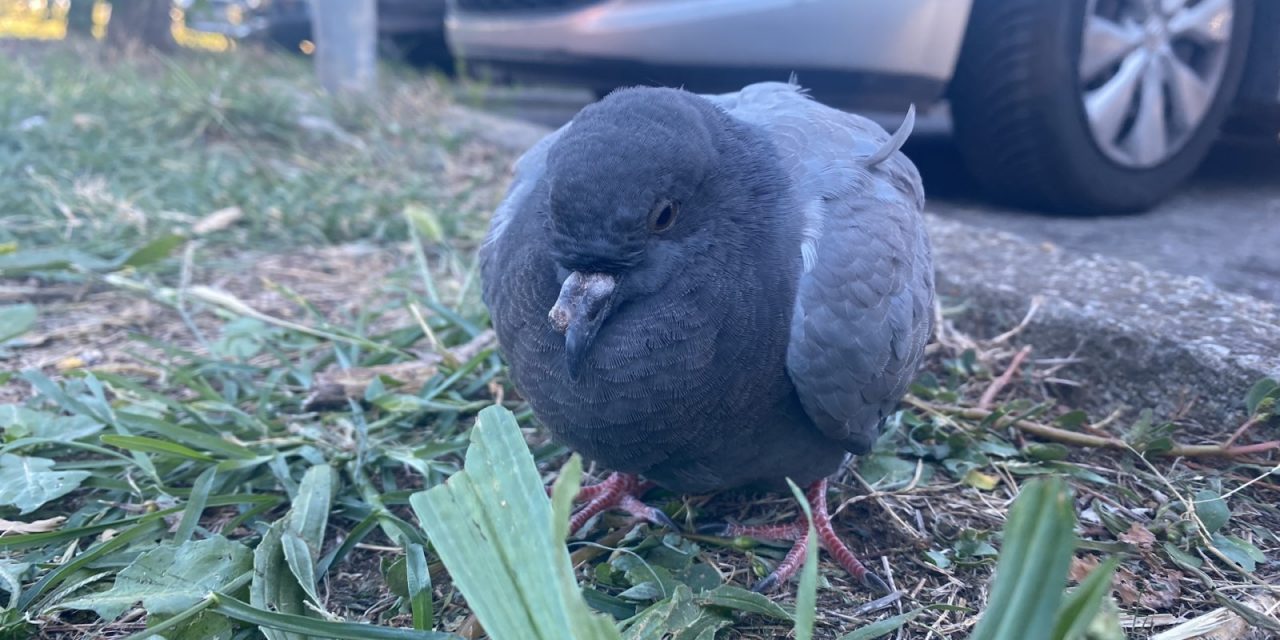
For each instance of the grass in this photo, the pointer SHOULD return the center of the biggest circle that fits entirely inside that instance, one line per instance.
(259, 336)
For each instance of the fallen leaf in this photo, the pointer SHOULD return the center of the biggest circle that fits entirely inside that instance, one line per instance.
(1126, 587)
(980, 480)
(1138, 536)
(69, 363)
(217, 221)
(1162, 591)
(37, 526)
(1081, 567)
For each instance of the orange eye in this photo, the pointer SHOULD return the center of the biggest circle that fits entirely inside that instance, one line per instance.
(663, 216)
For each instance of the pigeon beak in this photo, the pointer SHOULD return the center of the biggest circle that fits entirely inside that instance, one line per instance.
(585, 300)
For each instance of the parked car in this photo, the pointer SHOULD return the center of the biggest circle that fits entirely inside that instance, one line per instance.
(1082, 106)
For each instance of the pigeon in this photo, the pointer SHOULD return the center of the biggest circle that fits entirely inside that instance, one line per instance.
(713, 292)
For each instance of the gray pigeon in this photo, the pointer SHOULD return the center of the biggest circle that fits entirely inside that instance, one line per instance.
(712, 292)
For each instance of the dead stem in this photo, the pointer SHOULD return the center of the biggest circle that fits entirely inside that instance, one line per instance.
(1086, 440)
(989, 396)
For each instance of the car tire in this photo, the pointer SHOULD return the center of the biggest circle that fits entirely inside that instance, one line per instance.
(1018, 103)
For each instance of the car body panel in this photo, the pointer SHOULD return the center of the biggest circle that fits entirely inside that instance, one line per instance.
(910, 40)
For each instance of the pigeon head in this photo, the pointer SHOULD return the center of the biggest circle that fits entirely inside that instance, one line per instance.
(640, 188)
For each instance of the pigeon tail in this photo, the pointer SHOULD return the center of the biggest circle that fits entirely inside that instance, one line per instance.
(895, 141)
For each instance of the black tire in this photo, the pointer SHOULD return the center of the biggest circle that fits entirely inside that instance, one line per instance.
(1020, 122)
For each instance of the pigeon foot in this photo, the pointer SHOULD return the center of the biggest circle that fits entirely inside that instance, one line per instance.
(620, 490)
(797, 531)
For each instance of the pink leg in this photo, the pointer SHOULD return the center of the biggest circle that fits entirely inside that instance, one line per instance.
(798, 531)
(817, 495)
(617, 490)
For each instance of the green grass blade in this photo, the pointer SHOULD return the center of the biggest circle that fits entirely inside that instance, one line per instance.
(195, 505)
(1038, 544)
(418, 577)
(302, 627)
(144, 444)
(807, 593)
(882, 628)
(354, 537)
(1080, 607)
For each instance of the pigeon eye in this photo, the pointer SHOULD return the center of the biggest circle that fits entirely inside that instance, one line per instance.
(663, 216)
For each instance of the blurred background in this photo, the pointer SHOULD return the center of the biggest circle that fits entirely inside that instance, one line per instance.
(1143, 129)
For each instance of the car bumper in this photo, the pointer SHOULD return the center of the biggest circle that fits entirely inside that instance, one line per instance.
(883, 42)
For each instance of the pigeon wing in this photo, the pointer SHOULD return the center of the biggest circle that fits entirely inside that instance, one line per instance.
(864, 302)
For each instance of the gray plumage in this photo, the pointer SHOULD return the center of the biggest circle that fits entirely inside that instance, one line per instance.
(768, 332)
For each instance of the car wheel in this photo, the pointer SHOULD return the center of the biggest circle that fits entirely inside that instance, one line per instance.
(1095, 106)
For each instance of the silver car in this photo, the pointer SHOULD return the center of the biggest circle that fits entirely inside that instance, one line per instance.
(1081, 106)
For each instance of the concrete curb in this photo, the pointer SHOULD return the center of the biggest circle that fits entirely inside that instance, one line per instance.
(1147, 338)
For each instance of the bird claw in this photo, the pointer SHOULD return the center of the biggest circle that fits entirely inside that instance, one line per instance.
(717, 529)
(642, 511)
(876, 584)
(767, 584)
(798, 532)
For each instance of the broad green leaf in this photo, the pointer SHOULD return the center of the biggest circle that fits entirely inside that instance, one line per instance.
(1239, 550)
(154, 251)
(20, 422)
(28, 483)
(678, 617)
(938, 558)
(1081, 606)
(1039, 541)
(49, 259)
(205, 625)
(497, 534)
(274, 586)
(304, 533)
(170, 578)
(298, 557)
(1072, 419)
(11, 579)
(881, 628)
(1261, 390)
(16, 320)
(884, 470)
(1212, 510)
(1182, 558)
(737, 598)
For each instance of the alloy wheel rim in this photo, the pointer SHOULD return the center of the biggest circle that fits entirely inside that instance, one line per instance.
(1149, 71)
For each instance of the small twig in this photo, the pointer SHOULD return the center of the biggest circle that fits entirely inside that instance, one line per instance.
(1036, 301)
(887, 509)
(883, 602)
(1250, 423)
(1101, 425)
(989, 396)
(1086, 440)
